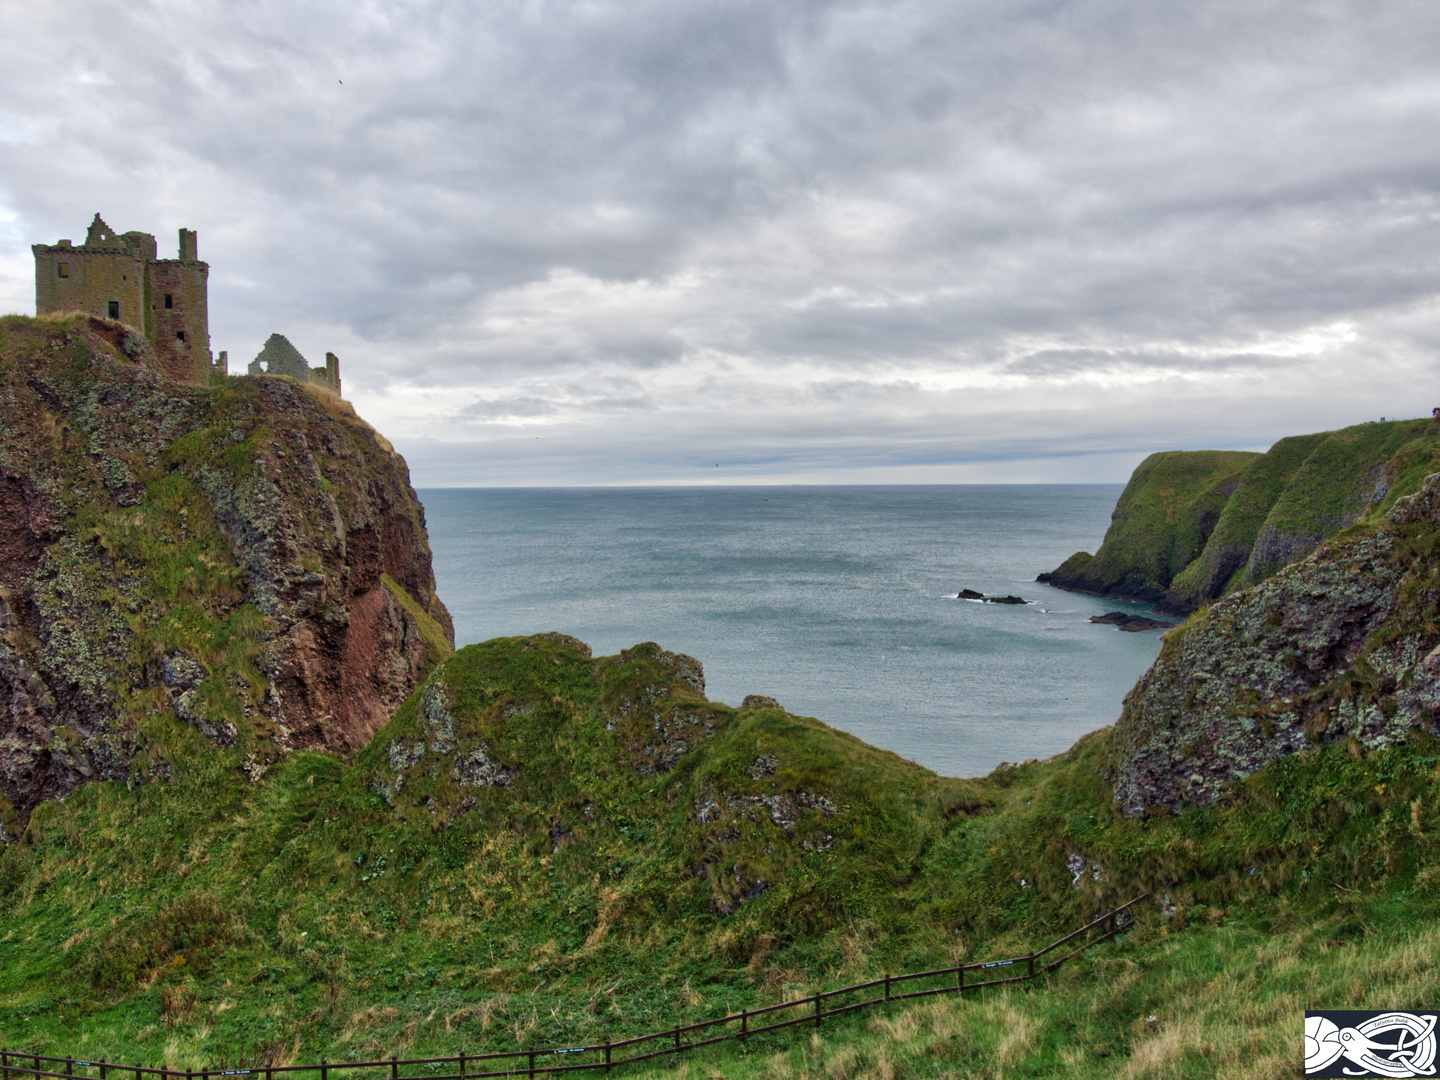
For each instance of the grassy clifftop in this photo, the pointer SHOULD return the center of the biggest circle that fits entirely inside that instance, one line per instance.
(1161, 524)
(1193, 526)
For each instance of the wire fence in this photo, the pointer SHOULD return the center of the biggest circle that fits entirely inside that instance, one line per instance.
(812, 1010)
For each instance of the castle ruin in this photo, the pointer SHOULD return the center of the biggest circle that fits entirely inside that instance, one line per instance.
(279, 357)
(118, 276)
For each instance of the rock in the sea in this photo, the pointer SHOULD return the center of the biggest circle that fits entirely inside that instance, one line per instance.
(1129, 621)
(971, 594)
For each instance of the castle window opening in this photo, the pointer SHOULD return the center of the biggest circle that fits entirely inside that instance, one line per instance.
(114, 307)
(63, 269)
(179, 335)
(169, 300)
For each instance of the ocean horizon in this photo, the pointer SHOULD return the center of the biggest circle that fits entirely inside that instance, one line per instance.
(839, 601)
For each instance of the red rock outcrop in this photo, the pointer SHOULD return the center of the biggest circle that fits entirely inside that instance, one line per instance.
(247, 561)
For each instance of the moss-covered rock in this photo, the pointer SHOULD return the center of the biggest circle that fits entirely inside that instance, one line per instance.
(237, 570)
(1341, 646)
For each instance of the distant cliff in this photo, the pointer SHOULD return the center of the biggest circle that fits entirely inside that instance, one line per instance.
(1193, 526)
(213, 575)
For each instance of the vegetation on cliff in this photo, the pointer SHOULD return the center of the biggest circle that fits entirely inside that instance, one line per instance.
(190, 575)
(1193, 526)
(544, 848)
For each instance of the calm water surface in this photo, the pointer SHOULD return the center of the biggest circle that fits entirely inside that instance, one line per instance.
(838, 601)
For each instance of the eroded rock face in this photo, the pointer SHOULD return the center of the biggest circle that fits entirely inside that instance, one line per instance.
(249, 560)
(1342, 645)
(655, 699)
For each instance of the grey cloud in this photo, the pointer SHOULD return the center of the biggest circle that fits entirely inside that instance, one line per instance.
(507, 408)
(812, 213)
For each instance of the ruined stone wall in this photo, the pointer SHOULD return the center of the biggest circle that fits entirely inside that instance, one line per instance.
(179, 310)
(329, 375)
(119, 277)
(280, 357)
(91, 280)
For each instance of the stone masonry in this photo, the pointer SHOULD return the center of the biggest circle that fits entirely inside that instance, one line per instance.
(118, 276)
(279, 357)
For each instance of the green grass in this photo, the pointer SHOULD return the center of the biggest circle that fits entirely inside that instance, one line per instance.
(1227, 551)
(328, 911)
(1194, 526)
(1350, 474)
(1161, 523)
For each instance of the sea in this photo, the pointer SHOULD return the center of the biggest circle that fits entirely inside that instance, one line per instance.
(840, 602)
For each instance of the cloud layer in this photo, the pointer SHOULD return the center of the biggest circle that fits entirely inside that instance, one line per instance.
(606, 242)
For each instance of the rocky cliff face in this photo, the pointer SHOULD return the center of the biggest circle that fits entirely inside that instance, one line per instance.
(183, 569)
(1344, 645)
(1193, 526)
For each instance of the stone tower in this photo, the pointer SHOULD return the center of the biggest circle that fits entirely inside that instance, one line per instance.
(118, 277)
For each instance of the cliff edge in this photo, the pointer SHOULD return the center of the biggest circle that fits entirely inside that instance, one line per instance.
(184, 568)
(1194, 526)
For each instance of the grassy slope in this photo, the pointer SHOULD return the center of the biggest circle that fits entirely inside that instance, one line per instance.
(1161, 522)
(1228, 549)
(209, 920)
(1192, 526)
(1344, 477)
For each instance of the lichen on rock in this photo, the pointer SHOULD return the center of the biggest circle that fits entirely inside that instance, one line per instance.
(656, 700)
(1340, 646)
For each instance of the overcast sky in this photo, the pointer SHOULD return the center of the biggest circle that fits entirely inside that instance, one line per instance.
(629, 242)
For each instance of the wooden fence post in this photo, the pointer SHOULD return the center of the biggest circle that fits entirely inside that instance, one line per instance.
(1031, 974)
(744, 1025)
(532, 1062)
(462, 1065)
(324, 1069)
(394, 1068)
(817, 1010)
(607, 1054)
